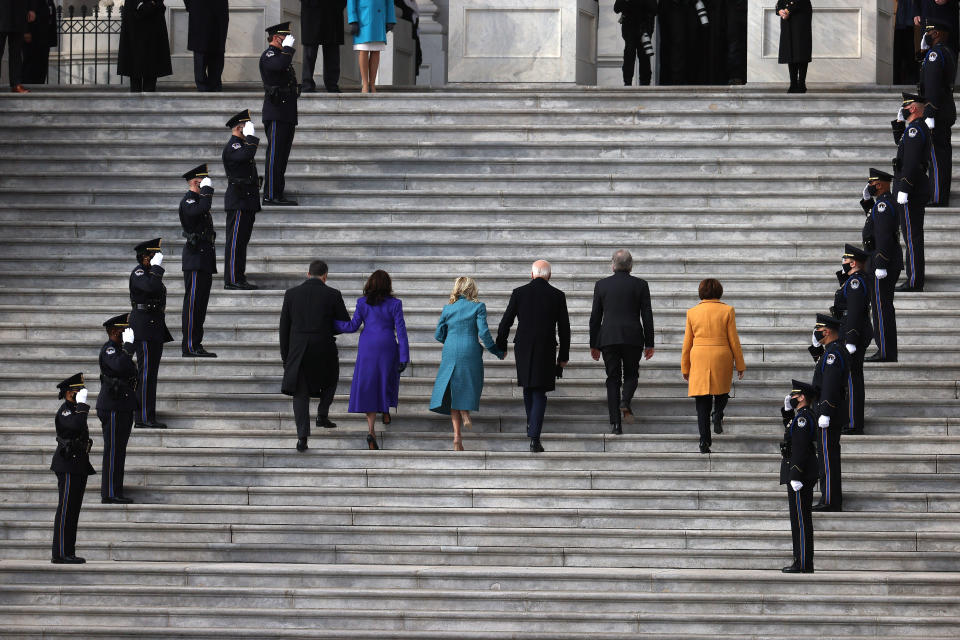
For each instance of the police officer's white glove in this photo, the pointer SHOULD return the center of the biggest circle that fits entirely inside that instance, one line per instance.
(206, 182)
(881, 274)
(823, 422)
(127, 336)
(796, 485)
(902, 197)
(82, 396)
(156, 260)
(288, 41)
(813, 339)
(786, 403)
(851, 348)
(925, 42)
(248, 129)
(866, 193)
(930, 123)
(900, 117)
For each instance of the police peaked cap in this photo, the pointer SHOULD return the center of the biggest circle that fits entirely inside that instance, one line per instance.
(196, 172)
(855, 252)
(805, 388)
(909, 98)
(824, 320)
(939, 25)
(74, 382)
(117, 322)
(281, 29)
(243, 116)
(876, 174)
(148, 247)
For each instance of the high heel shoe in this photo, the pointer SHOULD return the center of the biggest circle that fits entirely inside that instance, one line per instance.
(372, 442)
(386, 418)
(458, 444)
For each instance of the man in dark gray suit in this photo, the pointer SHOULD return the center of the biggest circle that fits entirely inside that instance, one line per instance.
(542, 310)
(308, 348)
(621, 329)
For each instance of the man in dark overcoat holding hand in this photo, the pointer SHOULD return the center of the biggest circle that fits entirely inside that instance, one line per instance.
(542, 310)
(321, 25)
(308, 348)
(207, 38)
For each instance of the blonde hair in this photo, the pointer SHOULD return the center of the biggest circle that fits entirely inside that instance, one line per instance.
(466, 287)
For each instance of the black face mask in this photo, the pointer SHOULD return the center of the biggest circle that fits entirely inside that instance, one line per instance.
(846, 266)
(818, 334)
(794, 401)
(872, 189)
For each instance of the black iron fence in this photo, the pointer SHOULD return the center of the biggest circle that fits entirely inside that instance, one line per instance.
(87, 43)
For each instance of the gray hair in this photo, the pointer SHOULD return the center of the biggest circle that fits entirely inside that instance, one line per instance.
(540, 269)
(622, 260)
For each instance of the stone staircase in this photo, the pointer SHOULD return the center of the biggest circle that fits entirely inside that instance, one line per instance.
(236, 535)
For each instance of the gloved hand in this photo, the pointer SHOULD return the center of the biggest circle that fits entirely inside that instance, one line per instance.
(156, 260)
(82, 396)
(866, 193)
(796, 485)
(288, 41)
(127, 336)
(813, 339)
(902, 197)
(823, 422)
(925, 42)
(248, 129)
(900, 117)
(881, 274)
(390, 26)
(354, 28)
(206, 182)
(930, 123)
(786, 403)
(851, 348)
(402, 367)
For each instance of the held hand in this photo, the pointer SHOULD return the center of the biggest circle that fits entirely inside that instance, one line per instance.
(796, 485)
(206, 182)
(28, 37)
(156, 260)
(354, 28)
(917, 20)
(595, 354)
(402, 367)
(740, 375)
(288, 41)
(562, 364)
(686, 376)
(82, 396)
(648, 353)
(127, 336)
(881, 274)
(851, 348)
(930, 123)
(248, 129)
(31, 16)
(823, 422)
(902, 197)
(786, 403)
(390, 26)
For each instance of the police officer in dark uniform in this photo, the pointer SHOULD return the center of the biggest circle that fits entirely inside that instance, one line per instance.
(937, 73)
(116, 404)
(199, 259)
(636, 25)
(798, 470)
(851, 304)
(71, 463)
(911, 184)
(830, 376)
(148, 296)
(279, 110)
(242, 200)
(881, 236)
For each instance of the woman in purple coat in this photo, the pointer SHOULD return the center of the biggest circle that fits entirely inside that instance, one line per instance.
(380, 359)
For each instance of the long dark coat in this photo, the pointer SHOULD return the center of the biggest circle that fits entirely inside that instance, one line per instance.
(207, 27)
(13, 16)
(144, 43)
(796, 32)
(308, 346)
(542, 310)
(321, 21)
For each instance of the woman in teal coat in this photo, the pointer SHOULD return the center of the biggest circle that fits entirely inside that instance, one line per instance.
(369, 22)
(462, 325)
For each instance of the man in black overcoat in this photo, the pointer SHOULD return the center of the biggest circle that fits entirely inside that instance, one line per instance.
(144, 51)
(542, 310)
(621, 330)
(40, 37)
(13, 26)
(207, 38)
(308, 348)
(321, 25)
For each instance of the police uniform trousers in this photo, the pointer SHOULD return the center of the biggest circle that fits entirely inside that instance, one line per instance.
(149, 353)
(941, 165)
(884, 314)
(622, 362)
(207, 70)
(911, 227)
(801, 524)
(301, 403)
(71, 487)
(196, 295)
(634, 57)
(279, 143)
(239, 230)
(14, 42)
(116, 426)
(828, 457)
(855, 391)
(535, 404)
(331, 65)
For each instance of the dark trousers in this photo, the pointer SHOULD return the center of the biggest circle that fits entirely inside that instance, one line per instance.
(36, 63)
(279, 143)
(207, 70)
(71, 487)
(148, 364)
(622, 362)
(941, 164)
(707, 405)
(116, 426)
(239, 230)
(140, 84)
(535, 402)
(15, 61)
(301, 404)
(634, 57)
(736, 15)
(196, 295)
(801, 524)
(855, 392)
(884, 314)
(331, 65)
(911, 226)
(828, 456)
(904, 57)
(798, 75)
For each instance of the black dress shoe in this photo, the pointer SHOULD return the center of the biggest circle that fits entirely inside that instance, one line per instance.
(199, 353)
(826, 507)
(301, 444)
(240, 286)
(878, 358)
(704, 448)
(372, 443)
(535, 446)
(796, 568)
(333, 90)
(279, 202)
(717, 423)
(326, 423)
(150, 425)
(248, 286)
(67, 560)
(905, 288)
(852, 432)
(617, 430)
(116, 500)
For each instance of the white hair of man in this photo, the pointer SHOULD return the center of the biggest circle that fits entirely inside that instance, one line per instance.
(622, 260)
(540, 269)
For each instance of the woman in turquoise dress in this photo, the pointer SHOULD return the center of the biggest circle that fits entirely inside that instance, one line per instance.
(462, 326)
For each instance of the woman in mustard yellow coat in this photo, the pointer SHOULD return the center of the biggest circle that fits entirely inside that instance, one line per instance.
(711, 347)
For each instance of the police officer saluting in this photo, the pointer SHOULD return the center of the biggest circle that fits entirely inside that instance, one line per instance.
(199, 259)
(881, 236)
(242, 200)
(279, 110)
(851, 304)
(798, 470)
(71, 463)
(937, 73)
(830, 377)
(148, 296)
(116, 404)
(912, 186)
